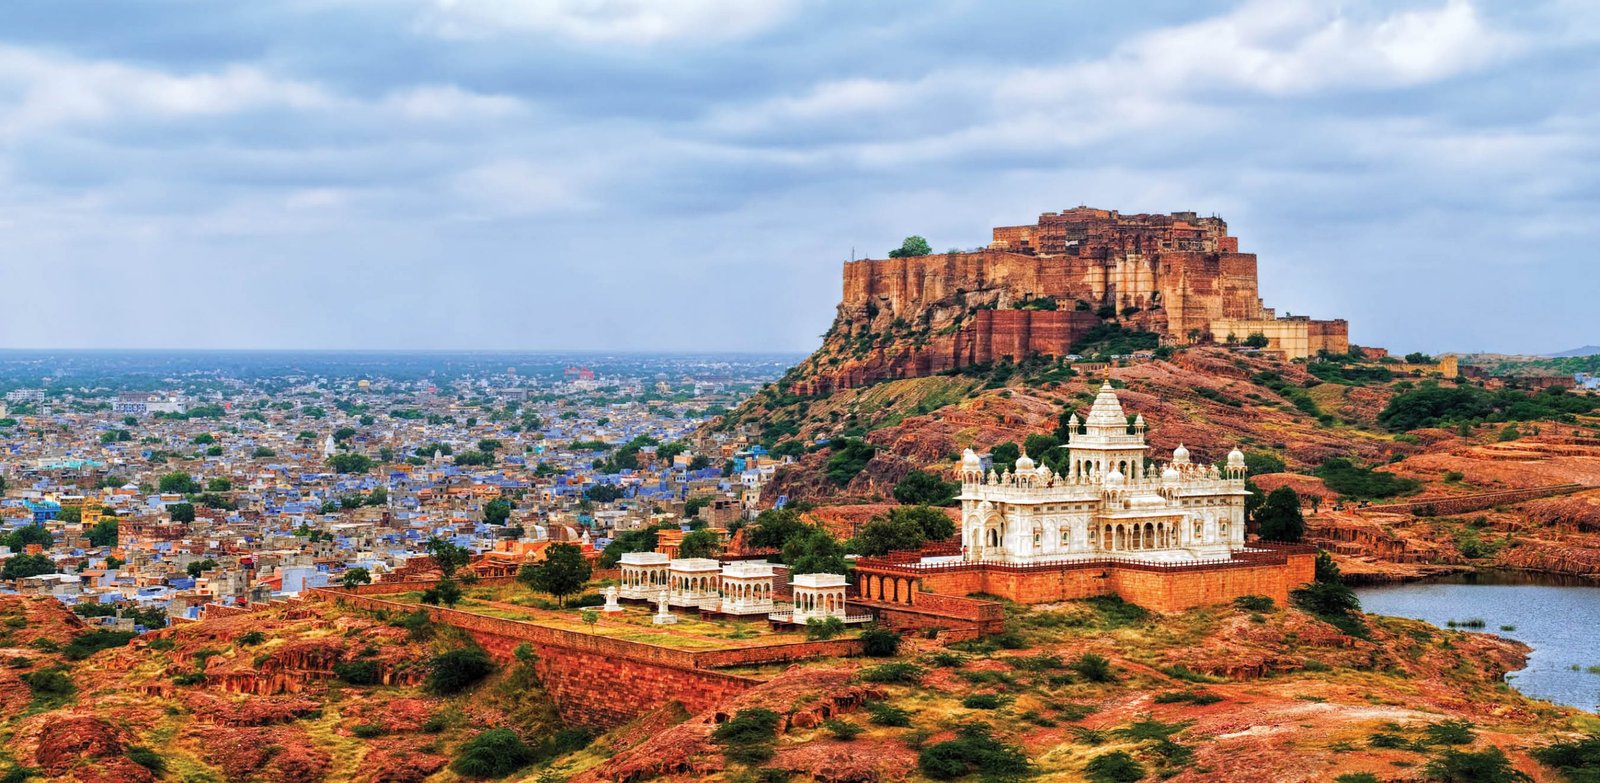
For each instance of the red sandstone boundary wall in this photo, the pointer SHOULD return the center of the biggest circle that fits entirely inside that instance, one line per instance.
(602, 682)
(594, 681)
(1465, 503)
(1273, 573)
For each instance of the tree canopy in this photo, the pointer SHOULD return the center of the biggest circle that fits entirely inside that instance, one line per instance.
(563, 572)
(920, 487)
(447, 556)
(1279, 518)
(497, 511)
(912, 247)
(700, 543)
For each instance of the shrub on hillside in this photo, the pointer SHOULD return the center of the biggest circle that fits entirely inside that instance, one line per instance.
(457, 670)
(974, 750)
(880, 643)
(494, 753)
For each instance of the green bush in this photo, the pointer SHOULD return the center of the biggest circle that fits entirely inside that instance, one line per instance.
(1578, 760)
(982, 701)
(1357, 777)
(358, 672)
(86, 644)
(749, 735)
(367, 730)
(974, 750)
(1387, 741)
(1484, 766)
(819, 628)
(457, 670)
(897, 672)
(1094, 668)
(1353, 481)
(880, 643)
(849, 456)
(1197, 698)
(16, 774)
(1114, 767)
(494, 753)
(1448, 732)
(888, 715)
(251, 638)
(842, 729)
(50, 687)
(1254, 603)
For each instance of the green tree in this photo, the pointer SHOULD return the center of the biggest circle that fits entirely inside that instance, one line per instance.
(813, 551)
(1003, 456)
(29, 534)
(21, 566)
(847, 459)
(104, 533)
(71, 515)
(497, 511)
(447, 556)
(888, 534)
(350, 463)
(700, 543)
(1256, 340)
(1279, 518)
(493, 753)
(178, 484)
(454, 671)
(563, 572)
(356, 577)
(343, 434)
(446, 591)
(1489, 765)
(181, 512)
(920, 487)
(219, 485)
(197, 567)
(912, 247)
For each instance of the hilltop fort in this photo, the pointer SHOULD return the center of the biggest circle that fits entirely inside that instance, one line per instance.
(1042, 288)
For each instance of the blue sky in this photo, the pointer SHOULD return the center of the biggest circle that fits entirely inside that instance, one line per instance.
(629, 174)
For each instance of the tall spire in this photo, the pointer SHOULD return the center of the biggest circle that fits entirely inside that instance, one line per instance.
(1107, 410)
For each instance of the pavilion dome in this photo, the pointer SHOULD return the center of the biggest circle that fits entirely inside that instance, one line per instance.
(1115, 477)
(1171, 474)
(1024, 462)
(1180, 455)
(1236, 458)
(969, 460)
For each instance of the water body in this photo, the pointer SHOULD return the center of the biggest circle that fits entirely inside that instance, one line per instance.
(1558, 617)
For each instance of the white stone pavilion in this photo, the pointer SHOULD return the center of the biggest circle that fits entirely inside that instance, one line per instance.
(747, 588)
(644, 574)
(694, 583)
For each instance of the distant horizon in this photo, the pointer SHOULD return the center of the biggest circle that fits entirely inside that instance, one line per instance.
(661, 177)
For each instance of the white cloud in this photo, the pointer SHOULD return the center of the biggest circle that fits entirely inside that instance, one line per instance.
(1285, 47)
(514, 187)
(449, 102)
(607, 21)
(39, 90)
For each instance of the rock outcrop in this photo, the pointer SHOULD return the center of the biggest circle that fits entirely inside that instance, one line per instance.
(1038, 289)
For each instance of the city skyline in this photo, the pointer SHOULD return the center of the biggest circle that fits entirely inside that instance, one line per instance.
(614, 177)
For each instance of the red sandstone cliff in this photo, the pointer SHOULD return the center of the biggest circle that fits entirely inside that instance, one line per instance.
(910, 317)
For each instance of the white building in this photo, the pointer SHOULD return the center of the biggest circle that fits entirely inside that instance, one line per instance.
(694, 582)
(644, 575)
(747, 588)
(1109, 503)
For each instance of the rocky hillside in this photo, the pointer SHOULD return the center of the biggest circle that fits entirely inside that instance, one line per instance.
(1248, 695)
(1209, 399)
(304, 692)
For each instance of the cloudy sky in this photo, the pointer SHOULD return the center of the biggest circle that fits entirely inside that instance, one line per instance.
(632, 174)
